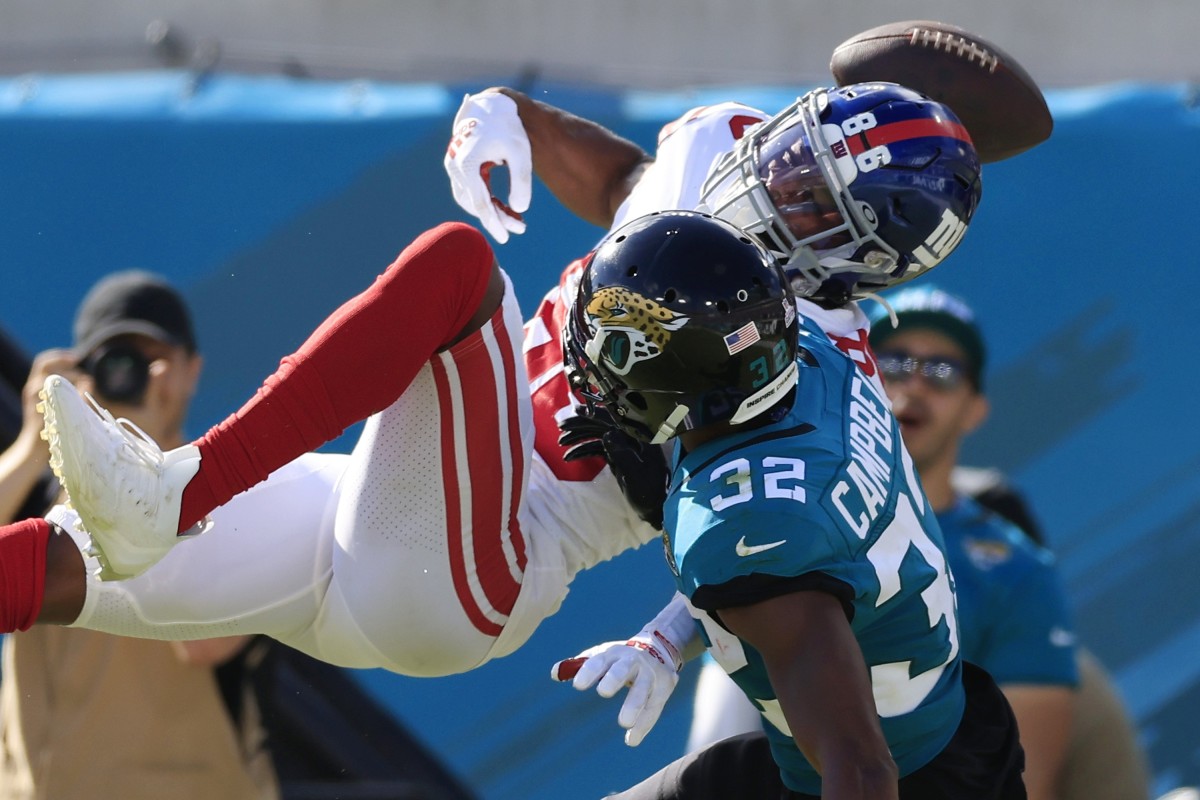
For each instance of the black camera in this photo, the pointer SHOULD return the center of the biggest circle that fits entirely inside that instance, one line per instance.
(121, 373)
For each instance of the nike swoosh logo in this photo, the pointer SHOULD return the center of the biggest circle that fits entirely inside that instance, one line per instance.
(743, 549)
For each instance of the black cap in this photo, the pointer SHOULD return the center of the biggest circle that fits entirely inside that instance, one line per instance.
(132, 302)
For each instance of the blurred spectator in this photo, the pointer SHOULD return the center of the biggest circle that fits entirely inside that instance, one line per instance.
(87, 714)
(1104, 759)
(1012, 609)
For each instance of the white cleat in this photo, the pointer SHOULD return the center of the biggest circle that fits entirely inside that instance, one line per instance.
(126, 490)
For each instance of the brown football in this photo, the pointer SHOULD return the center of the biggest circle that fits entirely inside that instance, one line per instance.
(999, 104)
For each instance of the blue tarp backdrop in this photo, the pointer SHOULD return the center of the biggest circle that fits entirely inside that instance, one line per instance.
(271, 200)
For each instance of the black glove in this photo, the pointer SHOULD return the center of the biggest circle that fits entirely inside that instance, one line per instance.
(640, 468)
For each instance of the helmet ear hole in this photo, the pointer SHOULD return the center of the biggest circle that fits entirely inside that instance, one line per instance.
(722, 306)
(636, 400)
(670, 295)
(632, 271)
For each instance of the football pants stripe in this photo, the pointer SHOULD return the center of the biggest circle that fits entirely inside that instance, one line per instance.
(512, 537)
(458, 510)
(483, 467)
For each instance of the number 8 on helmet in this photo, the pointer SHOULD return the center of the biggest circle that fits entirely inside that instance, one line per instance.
(858, 188)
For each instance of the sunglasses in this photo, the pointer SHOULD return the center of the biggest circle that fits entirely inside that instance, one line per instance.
(943, 374)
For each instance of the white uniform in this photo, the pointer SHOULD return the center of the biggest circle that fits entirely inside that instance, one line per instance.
(454, 528)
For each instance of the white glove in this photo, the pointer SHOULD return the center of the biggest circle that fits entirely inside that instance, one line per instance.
(488, 132)
(648, 664)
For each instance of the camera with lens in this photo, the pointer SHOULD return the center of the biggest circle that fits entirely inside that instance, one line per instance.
(121, 372)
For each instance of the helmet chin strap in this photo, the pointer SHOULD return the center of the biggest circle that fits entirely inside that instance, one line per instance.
(895, 320)
(667, 430)
(809, 269)
(759, 402)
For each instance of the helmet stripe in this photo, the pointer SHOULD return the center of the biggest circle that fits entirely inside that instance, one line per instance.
(915, 129)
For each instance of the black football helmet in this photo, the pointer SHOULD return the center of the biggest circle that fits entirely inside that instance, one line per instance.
(681, 321)
(857, 188)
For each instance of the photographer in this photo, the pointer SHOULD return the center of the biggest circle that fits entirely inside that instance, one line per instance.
(88, 714)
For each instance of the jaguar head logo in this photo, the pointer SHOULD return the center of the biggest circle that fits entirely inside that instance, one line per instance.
(630, 328)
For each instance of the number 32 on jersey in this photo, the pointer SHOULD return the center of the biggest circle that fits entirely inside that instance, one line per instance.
(897, 691)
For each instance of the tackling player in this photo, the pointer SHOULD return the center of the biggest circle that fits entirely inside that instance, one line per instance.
(795, 525)
(1015, 622)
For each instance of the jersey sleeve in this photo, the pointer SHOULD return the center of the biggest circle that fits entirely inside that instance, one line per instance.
(1031, 639)
(687, 150)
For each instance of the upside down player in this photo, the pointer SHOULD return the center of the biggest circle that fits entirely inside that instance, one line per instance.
(796, 524)
(321, 561)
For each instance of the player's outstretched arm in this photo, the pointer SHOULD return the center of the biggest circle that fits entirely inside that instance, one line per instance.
(824, 690)
(487, 133)
(648, 663)
(586, 166)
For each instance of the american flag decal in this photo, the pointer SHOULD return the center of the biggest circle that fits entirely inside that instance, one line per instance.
(742, 338)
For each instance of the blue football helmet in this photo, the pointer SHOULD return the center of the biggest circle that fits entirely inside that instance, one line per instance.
(857, 188)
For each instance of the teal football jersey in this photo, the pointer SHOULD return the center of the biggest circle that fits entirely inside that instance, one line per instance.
(825, 499)
(1014, 614)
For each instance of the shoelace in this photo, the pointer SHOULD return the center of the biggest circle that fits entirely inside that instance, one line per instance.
(139, 443)
(142, 447)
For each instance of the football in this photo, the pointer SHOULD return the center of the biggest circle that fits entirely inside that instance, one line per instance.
(1001, 107)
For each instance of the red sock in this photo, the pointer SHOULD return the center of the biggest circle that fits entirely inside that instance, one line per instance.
(22, 573)
(357, 363)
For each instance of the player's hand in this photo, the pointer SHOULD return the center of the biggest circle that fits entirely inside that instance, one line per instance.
(488, 133)
(640, 468)
(648, 665)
